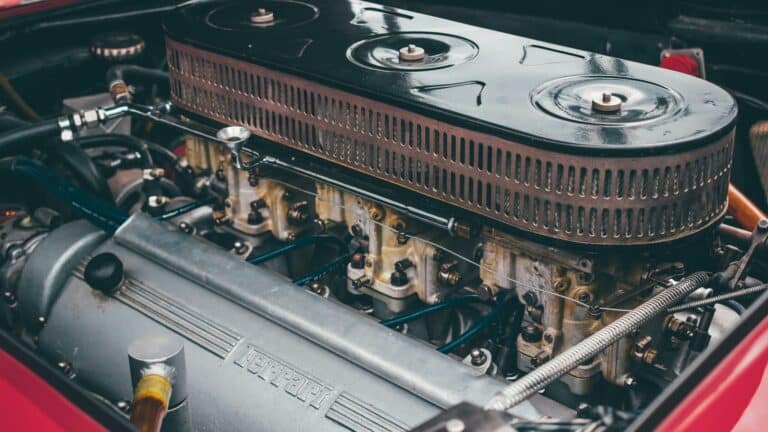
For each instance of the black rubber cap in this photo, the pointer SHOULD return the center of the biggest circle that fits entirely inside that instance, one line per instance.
(104, 272)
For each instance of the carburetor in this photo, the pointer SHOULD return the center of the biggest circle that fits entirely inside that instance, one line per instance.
(569, 296)
(395, 265)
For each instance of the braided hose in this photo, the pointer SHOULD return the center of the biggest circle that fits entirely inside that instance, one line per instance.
(540, 377)
(719, 298)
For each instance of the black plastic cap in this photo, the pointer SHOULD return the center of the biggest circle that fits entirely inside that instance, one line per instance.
(104, 272)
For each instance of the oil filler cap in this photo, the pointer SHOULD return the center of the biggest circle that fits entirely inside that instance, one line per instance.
(104, 272)
(117, 47)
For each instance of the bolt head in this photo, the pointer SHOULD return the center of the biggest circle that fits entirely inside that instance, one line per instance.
(455, 425)
(185, 227)
(630, 382)
(477, 357)
(548, 338)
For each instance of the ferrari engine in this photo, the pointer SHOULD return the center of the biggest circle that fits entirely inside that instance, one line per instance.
(346, 216)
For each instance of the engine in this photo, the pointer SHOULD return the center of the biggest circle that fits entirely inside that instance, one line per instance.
(362, 216)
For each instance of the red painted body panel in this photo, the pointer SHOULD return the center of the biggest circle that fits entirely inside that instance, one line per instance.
(28, 403)
(12, 8)
(734, 396)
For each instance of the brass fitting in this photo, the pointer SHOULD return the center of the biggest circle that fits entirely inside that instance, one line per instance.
(150, 402)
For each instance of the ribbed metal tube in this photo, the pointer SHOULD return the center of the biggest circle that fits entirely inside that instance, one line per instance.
(593, 345)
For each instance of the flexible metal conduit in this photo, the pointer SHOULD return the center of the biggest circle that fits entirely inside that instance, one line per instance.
(540, 377)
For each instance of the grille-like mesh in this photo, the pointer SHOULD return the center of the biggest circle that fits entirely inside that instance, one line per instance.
(583, 199)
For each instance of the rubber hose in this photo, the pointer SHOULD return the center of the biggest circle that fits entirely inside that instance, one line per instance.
(18, 140)
(83, 168)
(746, 213)
(133, 73)
(118, 140)
(735, 306)
(10, 122)
(563, 363)
(102, 214)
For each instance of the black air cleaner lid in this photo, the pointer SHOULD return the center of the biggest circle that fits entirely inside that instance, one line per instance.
(516, 88)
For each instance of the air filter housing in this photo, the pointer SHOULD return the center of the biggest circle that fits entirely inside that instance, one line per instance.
(562, 143)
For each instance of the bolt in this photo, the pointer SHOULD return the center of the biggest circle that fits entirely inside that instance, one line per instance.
(376, 213)
(477, 357)
(357, 261)
(584, 297)
(549, 338)
(123, 405)
(185, 227)
(403, 265)
(41, 320)
(298, 214)
(454, 425)
(485, 292)
(356, 230)
(220, 175)
(606, 97)
(254, 218)
(402, 238)
(398, 279)
(561, 284)
(630, 382)
(253, 180)
(530, 298)
(240, 247)
(531, 333)
(9, 297)
(65, 367)
(257, 205)
(319, 226)
(762, 225)
(157, 201)
(317, 288)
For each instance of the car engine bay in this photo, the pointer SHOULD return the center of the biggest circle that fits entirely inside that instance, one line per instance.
(345, 216)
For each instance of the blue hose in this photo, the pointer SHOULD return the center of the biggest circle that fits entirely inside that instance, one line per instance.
(100, 213)
(299, 243)
(447, 304)
(471, 332)
(322, 271)
(186, 208)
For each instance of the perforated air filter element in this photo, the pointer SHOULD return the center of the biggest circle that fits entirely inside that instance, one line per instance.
(605, 200)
